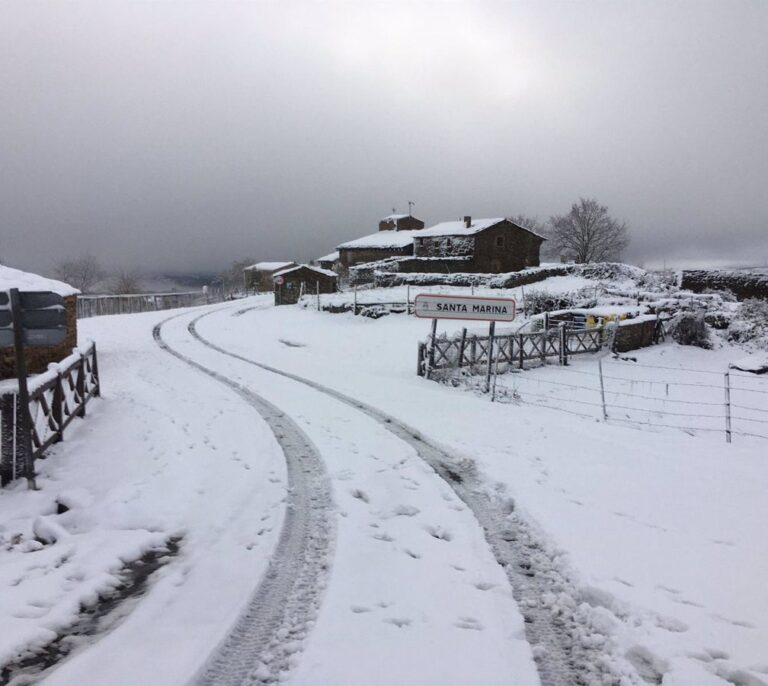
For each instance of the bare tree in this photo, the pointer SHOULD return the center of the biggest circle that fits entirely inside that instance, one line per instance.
(233, 279)
(126, 282)
(588, 233)
(83, 272)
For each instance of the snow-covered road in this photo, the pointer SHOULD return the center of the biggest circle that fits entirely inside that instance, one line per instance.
(458, 542)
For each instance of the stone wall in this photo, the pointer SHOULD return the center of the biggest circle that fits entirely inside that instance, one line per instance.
(38, 359)
(634, 335)
(743, 285)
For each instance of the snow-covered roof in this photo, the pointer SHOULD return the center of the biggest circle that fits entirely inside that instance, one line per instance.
(26, 281)
(319, 270)
(394, 217)
(330, 257)
(268, 266)
(459, 228)
(383, 240)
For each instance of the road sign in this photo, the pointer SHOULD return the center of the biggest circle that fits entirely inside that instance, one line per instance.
(42, 317)
(40, 300)
(279, 280)
(436, 306)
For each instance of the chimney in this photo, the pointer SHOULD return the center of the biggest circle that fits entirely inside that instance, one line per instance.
(468, 221)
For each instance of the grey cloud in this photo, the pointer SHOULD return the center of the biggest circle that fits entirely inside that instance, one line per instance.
(184, 135)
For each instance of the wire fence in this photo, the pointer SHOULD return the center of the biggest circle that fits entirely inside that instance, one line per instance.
(655, 396)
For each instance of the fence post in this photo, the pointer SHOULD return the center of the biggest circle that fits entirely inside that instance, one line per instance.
(491, 332)
(95, 372)
(80, 385)
(563, 343)
(57, 407)
(728, 405)
(473, 351)
(460, 358)
(522, 350)
(420, 360)
(602, 388)
(408, 299)
(355, 310)
(317, 290)
(432, 338)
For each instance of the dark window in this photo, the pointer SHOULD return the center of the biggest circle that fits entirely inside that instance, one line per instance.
(499, 241)
(448, 243)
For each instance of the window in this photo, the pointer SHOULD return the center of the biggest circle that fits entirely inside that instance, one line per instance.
(499, 241)
(448, 243)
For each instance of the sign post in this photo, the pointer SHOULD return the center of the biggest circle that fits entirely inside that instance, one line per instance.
(464, 307)
(21, 375)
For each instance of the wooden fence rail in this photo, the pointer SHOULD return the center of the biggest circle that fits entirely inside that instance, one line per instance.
(511, 349)
(55, 399)
(97, 305)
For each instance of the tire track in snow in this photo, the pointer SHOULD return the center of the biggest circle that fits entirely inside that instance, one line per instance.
(561, 623)
(269, 632)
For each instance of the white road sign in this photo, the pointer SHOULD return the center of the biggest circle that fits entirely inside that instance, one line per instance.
(279, 280)
(435, 306)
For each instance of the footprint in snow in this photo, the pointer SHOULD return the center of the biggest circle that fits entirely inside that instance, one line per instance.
(360, 495)
(405, 511)
(383, 536)
(439, 533)
(399, 622)
(360, 609)
(671, 624)
(411, 553)
(468, 623)
(484, 586)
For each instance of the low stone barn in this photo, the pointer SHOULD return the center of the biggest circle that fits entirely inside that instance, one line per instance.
(38, 359)
(258, 277)
(291, 283)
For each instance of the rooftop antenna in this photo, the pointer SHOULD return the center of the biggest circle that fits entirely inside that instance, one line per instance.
(410, 204)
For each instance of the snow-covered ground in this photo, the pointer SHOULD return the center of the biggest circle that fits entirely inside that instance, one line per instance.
(658, 530)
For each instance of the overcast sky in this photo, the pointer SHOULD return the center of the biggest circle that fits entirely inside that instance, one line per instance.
(185, 135)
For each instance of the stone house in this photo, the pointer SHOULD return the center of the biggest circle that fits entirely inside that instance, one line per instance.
(38, 359)
(291, 283)
(489, 246)
(258, 277)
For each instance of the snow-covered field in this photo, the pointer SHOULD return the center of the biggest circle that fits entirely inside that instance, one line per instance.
(656, 532)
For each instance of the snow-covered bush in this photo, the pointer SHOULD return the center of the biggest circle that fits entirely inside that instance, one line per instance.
(538, 301)
(749, 325)
(688, 328)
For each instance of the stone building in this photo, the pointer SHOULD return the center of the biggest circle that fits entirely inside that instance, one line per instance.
(291, 283)
(258, 277)
(489, 246)
(38, 359)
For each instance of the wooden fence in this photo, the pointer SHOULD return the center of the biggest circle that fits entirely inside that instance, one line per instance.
(511, 349)
(55, 399)
(97, 305)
